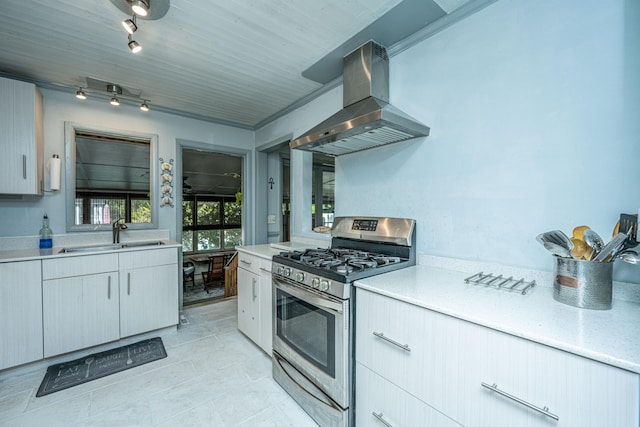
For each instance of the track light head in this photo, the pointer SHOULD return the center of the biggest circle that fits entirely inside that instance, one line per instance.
(140, 7)
(144, 106)
(80, 94)
(130, 25)
(134, 46)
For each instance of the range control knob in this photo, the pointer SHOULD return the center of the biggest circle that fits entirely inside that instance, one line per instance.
(287, 272)
(324, 285)
(280, 270)
(315, 283)
(300, 276)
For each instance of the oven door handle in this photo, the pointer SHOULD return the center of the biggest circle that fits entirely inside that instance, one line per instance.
(303, 384)
(309, 297)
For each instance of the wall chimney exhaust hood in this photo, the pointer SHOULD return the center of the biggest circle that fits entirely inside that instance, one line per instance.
(367, 119)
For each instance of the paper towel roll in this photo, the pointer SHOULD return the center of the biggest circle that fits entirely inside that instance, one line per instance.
(54, 165)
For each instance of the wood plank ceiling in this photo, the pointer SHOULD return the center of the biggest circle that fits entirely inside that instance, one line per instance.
(236, 62)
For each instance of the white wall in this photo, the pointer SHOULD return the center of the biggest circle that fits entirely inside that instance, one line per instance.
(24, 217)
(534, 109)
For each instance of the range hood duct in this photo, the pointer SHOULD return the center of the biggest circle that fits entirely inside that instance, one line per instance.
(367, 119)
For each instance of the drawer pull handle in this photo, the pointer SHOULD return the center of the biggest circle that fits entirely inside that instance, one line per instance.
(544, 410)
(109, 288)
(380, 418)
(380, 335)
(24, 166)
(266, 270)
(128, 283)
(253, 289)
(244, 261)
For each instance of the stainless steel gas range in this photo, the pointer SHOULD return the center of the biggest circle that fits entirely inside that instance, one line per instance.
(314, 305)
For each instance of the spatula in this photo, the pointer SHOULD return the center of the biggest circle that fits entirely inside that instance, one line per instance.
(629, 226)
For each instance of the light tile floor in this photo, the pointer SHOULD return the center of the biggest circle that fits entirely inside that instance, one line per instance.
(213, 376)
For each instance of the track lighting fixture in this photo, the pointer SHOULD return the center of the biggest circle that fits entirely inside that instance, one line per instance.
(134, 46)
(130, 25)
(114, 93)
(139, 7)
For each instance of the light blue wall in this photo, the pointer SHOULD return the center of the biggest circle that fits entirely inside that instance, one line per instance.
(534, 108)
(24, 217)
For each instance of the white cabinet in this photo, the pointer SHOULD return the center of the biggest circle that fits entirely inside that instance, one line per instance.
(248, 307)
(20, 313)
(254, 299)
(80, 302)
(148, 290)
(579, 391)
(380, 401)
(443, 361)
(21, 138)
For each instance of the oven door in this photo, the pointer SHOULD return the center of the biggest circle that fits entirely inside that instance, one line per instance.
(311, 332)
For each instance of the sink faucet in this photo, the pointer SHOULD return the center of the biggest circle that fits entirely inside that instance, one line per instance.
(117, 226)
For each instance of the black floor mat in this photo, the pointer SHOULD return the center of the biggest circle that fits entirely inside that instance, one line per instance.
(98, 365)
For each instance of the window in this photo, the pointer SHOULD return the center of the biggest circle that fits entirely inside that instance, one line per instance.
(105, 208)
(323, 189)
(211, 223)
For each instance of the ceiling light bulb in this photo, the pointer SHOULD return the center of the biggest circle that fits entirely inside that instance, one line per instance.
(144, 106)
(80, 94)
(140, 7)
(114, 101)
(134, 46)
(130, 25)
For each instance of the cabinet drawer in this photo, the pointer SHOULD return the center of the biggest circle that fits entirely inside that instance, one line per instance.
(414, 348)
(579, 391)
(78, 266)
(249, 262)
(148, 258)
(378, 402)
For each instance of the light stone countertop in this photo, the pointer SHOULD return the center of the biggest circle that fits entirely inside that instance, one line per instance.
(607, 336)
(36, 254)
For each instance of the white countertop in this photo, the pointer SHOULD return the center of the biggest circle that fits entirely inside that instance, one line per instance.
(35, 254)
(608, 336)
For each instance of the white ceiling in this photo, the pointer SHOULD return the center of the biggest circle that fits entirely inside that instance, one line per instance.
(236, 61)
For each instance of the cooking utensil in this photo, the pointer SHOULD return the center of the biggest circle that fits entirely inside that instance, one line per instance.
(631, 257)
(629, 225)
(612, 248)
(556, 237)
(594, 240)
(580, 248)
(556, 249)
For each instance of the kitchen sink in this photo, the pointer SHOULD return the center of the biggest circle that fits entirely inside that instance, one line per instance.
(140, 244)
(110, 247)
(90, 248)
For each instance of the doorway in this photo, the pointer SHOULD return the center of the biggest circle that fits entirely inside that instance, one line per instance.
(212, 212)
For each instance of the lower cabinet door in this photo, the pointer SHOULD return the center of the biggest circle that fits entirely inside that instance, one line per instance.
(80, 312)
(529, 384)
(20, 313)
(380, 403)
(148, 299)
(248, 304)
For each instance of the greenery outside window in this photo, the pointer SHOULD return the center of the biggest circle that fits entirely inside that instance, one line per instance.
(105, 208)
(211, 223)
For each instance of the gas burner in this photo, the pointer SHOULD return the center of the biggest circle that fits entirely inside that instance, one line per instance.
(344, 269)
(362, 263)
(385, 260)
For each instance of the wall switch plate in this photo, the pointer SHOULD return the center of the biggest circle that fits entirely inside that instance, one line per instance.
(271, 219)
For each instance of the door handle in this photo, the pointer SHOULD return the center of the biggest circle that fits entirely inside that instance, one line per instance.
(129, 283)
(253, 286)
(109, 288)
(544, 410)
(24, 166)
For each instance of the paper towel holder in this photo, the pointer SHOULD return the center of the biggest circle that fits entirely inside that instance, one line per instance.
(54, 165)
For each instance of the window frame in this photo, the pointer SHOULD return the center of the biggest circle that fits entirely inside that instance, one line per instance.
(195, 228)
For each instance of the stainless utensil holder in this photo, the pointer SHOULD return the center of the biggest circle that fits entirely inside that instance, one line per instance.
(583, 284)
